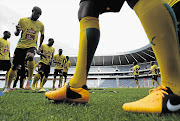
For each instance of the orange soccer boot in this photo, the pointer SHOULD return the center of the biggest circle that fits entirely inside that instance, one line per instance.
(67, 93)
(160, 100)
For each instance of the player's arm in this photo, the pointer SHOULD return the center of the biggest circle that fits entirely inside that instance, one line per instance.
(42, 36)
(40, 52)
(18, 28)
(41, 40)
(51, 58)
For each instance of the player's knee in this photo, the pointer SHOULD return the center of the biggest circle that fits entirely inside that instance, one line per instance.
(30, 58)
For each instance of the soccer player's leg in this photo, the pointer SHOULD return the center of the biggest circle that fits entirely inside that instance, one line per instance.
(159, 22)
(44, 80)
(152, 80)
(36, 78)
(54, 79)
(30, 65)
(77, 91)
(136, 80)
(65, 77)
(60, 78)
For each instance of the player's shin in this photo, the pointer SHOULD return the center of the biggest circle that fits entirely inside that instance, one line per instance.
(89, 39)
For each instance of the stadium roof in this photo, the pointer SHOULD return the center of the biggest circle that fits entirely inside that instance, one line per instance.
(144, 54)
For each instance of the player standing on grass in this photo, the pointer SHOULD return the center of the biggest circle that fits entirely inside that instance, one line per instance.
(160, 25)
(59, 60)
(5, 63)
(67, 65)
(155, 72)
(47, 53)
(136, 73)
(26, 47)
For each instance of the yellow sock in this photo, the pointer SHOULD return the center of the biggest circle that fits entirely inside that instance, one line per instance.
(161, 31)
(44, 81)
(36, 83)
(41, 84)
(60, 81)
(152, 82)
(7, 77)
(11, 75)
(54, 81)
(30, 65)
(137, 82)
(157, 82)
(89, 38)
(36, 78)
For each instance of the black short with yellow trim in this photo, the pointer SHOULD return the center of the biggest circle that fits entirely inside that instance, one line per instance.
(111, 5)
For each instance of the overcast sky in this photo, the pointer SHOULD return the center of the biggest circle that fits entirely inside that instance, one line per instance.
(120, 32)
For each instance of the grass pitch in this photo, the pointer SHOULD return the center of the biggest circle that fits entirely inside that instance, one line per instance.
(104, 105)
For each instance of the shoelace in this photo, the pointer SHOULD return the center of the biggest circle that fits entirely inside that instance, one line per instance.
(160, 89)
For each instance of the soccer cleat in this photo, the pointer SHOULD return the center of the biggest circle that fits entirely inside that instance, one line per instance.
(160, 100)
(67, 93)
(28, 85)
(6, 90)
(43, 90)
(33, 87)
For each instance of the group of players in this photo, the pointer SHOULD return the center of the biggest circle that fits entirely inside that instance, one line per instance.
(161, 26)
(25, 52)
(153, 70)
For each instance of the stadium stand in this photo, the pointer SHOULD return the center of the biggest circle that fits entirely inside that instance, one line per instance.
(114, 70)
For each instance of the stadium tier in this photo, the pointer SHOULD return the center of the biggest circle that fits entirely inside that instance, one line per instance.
(114, 70)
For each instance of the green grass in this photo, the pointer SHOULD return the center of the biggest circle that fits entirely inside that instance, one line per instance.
(104, 105)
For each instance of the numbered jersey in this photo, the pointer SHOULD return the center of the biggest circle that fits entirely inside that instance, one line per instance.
(48, 52)
(67, 65)
(30, 31)
(171, 2)
(136, 70)
(4, 49)
(154, 70)
(60, 60)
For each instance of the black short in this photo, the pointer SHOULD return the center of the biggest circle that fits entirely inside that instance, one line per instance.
(20, 55)
(58, 71)
(136, 77)
(65, 74)
(114, 5)
(154, 77)
(5, 65)
(44, 68)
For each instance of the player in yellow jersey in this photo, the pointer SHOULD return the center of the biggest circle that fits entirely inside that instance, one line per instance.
(59, 60)
(136, 73)
(155, 72)
(47, 53)
(5, 63)
(160, 25)
(67, 65)
(26, 47)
